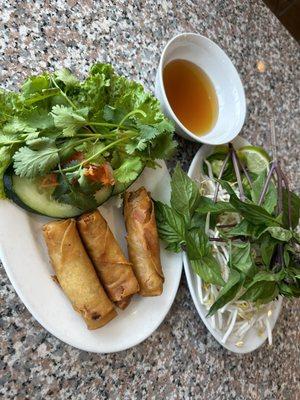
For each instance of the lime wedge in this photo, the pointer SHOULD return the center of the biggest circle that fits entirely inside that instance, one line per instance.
(255, 158)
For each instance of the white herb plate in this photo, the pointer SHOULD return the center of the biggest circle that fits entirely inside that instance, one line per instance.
(24, 256)
(252, 340)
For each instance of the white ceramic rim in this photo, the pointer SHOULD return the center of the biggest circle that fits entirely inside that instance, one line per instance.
(199, 139)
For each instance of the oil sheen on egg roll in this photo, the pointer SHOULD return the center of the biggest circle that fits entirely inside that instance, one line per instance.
(114, 271)
(143, 243)
(76, 274)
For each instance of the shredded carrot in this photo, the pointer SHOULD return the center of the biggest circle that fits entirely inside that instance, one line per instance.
(49, 181)
(100, 173)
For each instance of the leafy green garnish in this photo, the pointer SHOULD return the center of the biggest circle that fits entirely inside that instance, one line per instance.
(295, 209)
(30, 163)
(68, 120)
(261, 292)
(171, 226)
(56, 117)
(279, 233)
(208, 269)
(267, 247)
(185, 194)
(270, 200)
(262, 261)
(206, 205)
(228, 292)
(241, 258)
(129, 170)
(253, 213)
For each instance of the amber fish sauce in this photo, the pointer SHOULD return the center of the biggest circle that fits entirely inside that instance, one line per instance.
(191, 95)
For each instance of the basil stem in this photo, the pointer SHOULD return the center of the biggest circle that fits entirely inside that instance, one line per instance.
(245, 171)
(286, 184)
(220, 176)
(237, 172)
(267, 183)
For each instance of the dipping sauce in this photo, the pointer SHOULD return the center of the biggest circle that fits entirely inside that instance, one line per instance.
(191, 95)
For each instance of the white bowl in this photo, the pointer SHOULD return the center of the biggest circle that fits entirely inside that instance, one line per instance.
(252, 340)
(225, 78)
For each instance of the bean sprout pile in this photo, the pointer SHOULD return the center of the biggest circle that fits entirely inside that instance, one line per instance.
(236, 318)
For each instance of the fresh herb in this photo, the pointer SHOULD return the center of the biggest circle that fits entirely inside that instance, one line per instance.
(60, 125)
(256, 225)
(229, 291)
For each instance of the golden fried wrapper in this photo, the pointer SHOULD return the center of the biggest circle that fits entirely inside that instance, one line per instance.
(76, 274)
(124, 303)
(143, 242)
(113, 269)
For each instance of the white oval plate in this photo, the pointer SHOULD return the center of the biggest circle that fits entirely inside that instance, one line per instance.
(252, 341)
(24, 256)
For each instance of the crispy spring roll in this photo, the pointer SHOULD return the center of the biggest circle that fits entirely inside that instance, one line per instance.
(143, 243)
(124, 303)
(114, 271)
(76, 274)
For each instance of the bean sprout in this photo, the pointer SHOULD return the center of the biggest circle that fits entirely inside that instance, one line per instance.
(234, 320)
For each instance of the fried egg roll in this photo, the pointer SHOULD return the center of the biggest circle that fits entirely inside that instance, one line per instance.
(125, 302)
(114, 271)
(76, 274)
(143, 242)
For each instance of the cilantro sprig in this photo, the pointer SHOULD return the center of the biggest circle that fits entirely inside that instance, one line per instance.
(263, 247)
(106, 118)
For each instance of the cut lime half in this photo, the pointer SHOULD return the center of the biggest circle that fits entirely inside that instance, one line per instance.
(255, 158)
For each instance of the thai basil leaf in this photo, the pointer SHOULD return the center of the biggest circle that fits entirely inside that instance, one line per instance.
(286, 258)
(228, 292)
(251, 212)
(198, 221)
(268, 276)
(267, 248)
(293, 270)
(206, 205)
(208, 269)
(245, 228)
(171, 226)
(279, 233)
(295, 209)
(185, 193)
(240, 258)
(261, 292)
(197, 244)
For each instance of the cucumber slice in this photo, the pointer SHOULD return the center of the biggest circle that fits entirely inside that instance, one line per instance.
(103, 194)
(121, 187)
(27, 194)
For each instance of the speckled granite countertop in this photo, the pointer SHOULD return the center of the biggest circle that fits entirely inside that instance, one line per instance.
(180, 360)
